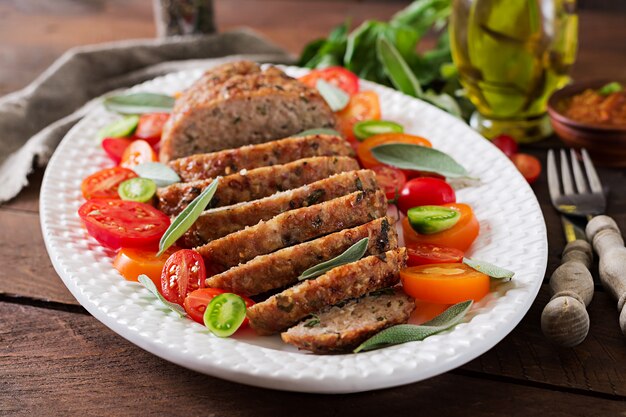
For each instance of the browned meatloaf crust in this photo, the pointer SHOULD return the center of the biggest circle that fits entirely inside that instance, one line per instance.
(231, 107)
(343, 328)
(210, 165)
(294, 226)
(356, 279)
(254, 184)
(279, 269)
(221, 221)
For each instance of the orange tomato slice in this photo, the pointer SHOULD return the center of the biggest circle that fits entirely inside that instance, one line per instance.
(364, 151)
(133, 262)
(460, 236)
(444, 283)
(363, 105)
(138, 152)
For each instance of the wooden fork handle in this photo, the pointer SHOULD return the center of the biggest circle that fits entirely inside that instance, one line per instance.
(607, 241)
(564, 319)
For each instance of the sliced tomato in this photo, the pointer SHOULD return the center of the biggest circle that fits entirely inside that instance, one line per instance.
(137, 153)
(132, 262)
(446, 283)
(364, 105)
(364, 151)
(506, 144)
(128, 224)
(337, 76)
(390, 179)
(104, 184)
(115, 147)
(196, 302)
(183, 273)
(528, 165)
(460, 236)
(426, 253)
(150, 127)
(425, 191)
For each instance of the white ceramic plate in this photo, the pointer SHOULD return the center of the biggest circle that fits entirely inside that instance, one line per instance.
(512, 235)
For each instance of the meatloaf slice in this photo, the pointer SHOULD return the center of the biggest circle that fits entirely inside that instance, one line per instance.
(292, 227)
(283, 310)
(221, 221)
(218, 113)
(282, 268)
(342, 328)
(210, 165)
(254, 184)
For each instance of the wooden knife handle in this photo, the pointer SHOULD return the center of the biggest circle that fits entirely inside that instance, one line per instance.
(609, 244)
(564, 319)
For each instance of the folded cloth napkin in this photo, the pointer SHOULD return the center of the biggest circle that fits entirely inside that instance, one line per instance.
(35, 119)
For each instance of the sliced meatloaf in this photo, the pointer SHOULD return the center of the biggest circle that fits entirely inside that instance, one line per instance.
(238, 105)
(210, 165)
(343, 328)
(254, 184)
(292, 227)
(283, 310)
(282, 268)
(221, 221)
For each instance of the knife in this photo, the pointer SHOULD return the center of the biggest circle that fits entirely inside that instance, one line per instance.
(564, 319)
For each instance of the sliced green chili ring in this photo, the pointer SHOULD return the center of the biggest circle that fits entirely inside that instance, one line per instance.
(363, 130)
(224, 314)
(432, 219)
(137, 189)
(120, 128)
(610, 88)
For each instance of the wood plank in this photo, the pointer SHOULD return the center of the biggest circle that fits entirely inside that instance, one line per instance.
(69, 364)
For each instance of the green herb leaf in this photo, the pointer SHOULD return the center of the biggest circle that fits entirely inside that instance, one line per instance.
(147, 282)
(138, 103)
(486, 268)
(322, 131)
(336, 98)
(610, 88)
(313, 321)
(419, 158)
(161, 174)
(404, 333)
(352, 254)
(443, 101)
(120, 128)
(187, 217)
(397, 69)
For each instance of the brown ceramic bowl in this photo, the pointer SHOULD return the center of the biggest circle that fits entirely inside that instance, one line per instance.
(606, 144)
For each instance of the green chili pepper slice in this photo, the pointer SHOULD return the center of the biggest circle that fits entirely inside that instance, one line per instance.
(137, 189)
(610, 88)
(224, 314)
(120, 128)
(367, 128)
(432, 219)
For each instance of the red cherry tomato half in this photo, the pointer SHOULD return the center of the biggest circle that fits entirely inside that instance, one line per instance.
(425, 191)
(137, 153)
(528, 165)
(182, 273)
(506, 144)
(337, 76)
(150, 127)
(104, 183)
(115, 147)
(196, 302)
(426, 253)
(391, 180)
(128, 224)
(364, 105)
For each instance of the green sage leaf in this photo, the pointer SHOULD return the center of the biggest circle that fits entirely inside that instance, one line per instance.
(120, 128)
(321, 131)
(138, 103)
(187, 217)
(397, 69)
(161, 174)
(419, 158)
(404, 333)
(443, 101)
(336, 98)
(352, 254)
(610, 88)
(147, 282)
(486, 268)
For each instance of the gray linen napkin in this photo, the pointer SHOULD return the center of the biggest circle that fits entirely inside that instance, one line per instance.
(35, 119)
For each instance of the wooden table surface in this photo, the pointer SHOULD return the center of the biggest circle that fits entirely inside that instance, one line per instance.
(55, 359)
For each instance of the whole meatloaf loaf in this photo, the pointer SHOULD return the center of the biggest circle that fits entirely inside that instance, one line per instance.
(230, 161)
(238, 104)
